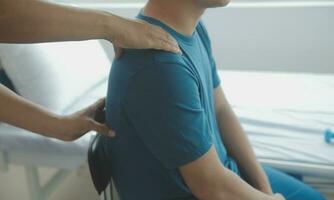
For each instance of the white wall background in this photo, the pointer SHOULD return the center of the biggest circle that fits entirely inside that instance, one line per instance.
(273, 38)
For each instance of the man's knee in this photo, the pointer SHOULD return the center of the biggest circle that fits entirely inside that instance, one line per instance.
(302, 192)
(291, 188)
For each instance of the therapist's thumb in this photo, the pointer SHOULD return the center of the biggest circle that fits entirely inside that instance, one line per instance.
(101, 128)
(118, 52)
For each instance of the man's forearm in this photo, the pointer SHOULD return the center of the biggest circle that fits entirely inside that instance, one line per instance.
(26, 21)
(239, 147)
(208, 179)
(236, 188)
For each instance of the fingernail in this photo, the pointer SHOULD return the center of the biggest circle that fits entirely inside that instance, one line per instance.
(111, 133)
(177, 50)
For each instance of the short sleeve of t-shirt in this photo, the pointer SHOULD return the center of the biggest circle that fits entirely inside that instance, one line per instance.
(207, 43)
(163, 104)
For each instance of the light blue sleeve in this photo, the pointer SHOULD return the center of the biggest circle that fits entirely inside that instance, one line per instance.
(163, 104)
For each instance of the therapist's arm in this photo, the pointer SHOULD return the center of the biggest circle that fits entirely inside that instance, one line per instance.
(29, 21)
(238, 145)
(19, 112)
(208, 179)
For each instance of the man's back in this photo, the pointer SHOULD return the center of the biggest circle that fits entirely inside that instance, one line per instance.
(162, 107)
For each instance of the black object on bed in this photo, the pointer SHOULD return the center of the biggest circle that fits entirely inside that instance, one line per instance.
(99, 171)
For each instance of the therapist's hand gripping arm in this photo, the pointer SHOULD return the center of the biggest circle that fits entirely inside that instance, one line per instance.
(30, 21)
(21, 113)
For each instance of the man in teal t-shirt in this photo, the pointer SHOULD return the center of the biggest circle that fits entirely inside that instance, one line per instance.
(176, 131)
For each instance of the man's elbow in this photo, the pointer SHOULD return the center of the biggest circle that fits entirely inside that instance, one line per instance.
(207, 178)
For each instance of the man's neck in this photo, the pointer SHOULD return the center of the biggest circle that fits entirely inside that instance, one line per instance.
(181, 15)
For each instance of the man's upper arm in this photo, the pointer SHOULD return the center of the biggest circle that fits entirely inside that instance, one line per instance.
(208, 179)
(203, 175)
(220, 100)
(163, 104)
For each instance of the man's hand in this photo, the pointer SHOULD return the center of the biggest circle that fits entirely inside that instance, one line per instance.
(136, 34)
(91, 118)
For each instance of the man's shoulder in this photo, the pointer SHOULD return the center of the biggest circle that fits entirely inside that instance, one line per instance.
(152, 68)
(149, 56)
(139, 61)
(164, 57)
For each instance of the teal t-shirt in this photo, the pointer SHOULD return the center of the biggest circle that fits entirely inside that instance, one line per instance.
(162, 107)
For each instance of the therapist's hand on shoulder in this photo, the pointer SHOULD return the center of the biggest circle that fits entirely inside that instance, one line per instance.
(91, 118)
(137, 34)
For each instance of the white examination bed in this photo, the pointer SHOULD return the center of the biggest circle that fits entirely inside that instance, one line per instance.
(284, 114)
(62, 77)
(21, 147)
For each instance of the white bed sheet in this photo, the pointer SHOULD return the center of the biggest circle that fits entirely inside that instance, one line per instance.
(285, 116)
(26, 148)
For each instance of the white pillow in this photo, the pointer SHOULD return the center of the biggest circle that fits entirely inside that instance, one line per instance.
(54, 75)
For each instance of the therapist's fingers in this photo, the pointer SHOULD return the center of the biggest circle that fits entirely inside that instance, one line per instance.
(101, 128)
(118, 51)
(161, 40)
(137, 34)
(95, 115)
(98, 111)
